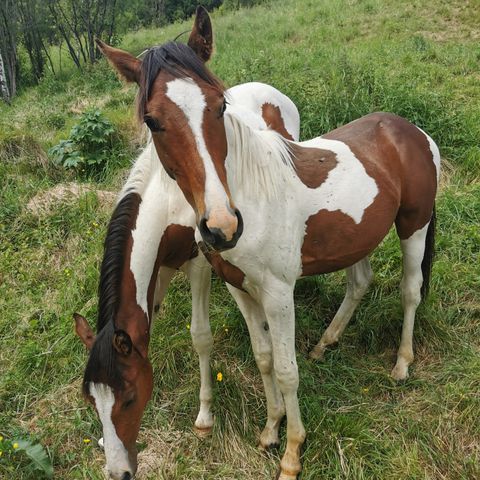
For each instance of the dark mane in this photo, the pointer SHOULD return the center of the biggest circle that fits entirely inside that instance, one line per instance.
(177, 59)
(102, 356)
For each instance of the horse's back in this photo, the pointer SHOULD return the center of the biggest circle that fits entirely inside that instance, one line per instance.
(277, 110)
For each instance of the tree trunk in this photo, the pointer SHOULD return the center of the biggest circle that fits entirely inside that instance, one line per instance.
(3, 82)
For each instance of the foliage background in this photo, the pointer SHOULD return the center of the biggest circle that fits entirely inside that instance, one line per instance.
(337, 60)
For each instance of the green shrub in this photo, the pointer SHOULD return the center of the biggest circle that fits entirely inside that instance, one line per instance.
(90, 147)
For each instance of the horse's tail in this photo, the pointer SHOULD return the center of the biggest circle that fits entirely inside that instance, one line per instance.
(428, 255)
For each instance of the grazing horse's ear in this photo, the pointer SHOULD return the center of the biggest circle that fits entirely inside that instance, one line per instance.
(201, 38)
(126, 65)
(83, 330)
(122, 342)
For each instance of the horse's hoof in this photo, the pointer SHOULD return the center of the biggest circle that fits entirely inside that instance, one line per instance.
(269, 446)
(317, 354)
(400, 373)
(285, 476)
(203, 432)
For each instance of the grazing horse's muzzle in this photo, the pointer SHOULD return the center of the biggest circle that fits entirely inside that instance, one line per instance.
(215, 237)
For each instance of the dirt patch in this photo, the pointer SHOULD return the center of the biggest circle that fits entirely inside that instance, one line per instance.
(43, 202)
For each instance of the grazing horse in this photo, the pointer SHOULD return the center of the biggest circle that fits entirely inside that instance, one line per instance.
(269, 210)
(150, 235)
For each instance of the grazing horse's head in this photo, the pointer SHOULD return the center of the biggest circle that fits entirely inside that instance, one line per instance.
(118, 382)
(183, 103)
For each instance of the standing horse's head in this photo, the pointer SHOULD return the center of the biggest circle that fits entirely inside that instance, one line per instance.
(118, 381)
(183, 103)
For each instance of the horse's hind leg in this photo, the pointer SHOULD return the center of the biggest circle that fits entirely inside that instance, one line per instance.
(413, 249)
(359, 277)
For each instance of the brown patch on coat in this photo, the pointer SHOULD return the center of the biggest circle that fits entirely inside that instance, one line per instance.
(312, 164)
(397, 156)
(176, 247)
(274, 120)
(223, 268)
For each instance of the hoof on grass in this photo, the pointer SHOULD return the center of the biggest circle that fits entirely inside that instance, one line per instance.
(203, 432)
(317, 354)
(285, 476)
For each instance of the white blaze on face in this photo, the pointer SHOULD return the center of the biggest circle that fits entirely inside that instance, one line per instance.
(115, 453)
(188, 96)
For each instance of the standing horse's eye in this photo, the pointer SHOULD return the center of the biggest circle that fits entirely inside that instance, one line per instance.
(222, 110)
(153, 124)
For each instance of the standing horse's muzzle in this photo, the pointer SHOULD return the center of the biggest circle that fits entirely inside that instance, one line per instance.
(215, 237)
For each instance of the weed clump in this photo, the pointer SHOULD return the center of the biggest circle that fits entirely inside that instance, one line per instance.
(93, 146)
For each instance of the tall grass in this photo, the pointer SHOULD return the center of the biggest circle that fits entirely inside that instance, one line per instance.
(337, 60)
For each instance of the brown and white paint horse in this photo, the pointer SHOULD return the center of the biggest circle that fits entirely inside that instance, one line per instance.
(306, 208)
(152, 232)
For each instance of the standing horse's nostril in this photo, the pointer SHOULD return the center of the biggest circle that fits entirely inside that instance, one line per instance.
(126, 476)
(215, 237)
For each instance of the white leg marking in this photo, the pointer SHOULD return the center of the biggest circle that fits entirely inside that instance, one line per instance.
(115, 453)
(413, 250)
(262, 349)
(199, 273)
(277, 301)
(359, 277)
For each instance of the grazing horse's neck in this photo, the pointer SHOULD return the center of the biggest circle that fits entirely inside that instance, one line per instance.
(128, 285)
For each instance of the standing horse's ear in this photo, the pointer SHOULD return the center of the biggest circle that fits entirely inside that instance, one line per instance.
(126, 65)
(83, 330)
(122, 342)
(201, 38)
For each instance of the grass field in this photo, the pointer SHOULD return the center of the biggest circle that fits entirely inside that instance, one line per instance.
(337, 60)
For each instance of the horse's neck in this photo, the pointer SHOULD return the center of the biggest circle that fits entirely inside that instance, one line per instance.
(158, 193)
(258, 163)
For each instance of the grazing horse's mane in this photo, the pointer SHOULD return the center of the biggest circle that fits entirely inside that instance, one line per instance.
(259, 160)
(118, 232)
(178, 60)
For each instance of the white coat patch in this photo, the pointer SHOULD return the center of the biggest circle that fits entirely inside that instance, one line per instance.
(347, 188)
(155, 212)
(435, 153)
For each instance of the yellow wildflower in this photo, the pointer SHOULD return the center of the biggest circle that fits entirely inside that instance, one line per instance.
(219, 376)
(1, 453)
(188, 326)
(86, 441)
(15, 445)
(365, 390)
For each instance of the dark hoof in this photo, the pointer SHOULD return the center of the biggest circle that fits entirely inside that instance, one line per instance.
(273, 447)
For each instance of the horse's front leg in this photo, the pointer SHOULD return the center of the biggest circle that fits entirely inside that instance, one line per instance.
(262, 349)
(199, 273)
(277, 301)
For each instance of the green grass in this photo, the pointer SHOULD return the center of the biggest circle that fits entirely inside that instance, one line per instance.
(337, 60)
